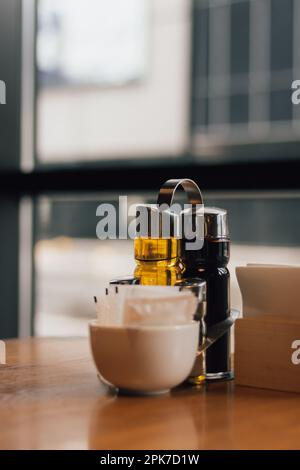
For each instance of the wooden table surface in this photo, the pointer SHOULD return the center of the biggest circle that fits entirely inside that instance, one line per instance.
(51, 398)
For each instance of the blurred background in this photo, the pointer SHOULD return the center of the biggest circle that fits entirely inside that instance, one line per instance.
(109, 98)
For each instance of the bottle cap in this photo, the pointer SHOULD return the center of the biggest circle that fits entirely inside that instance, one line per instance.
(215, 223)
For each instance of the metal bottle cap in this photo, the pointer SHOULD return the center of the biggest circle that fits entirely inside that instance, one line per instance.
(215, 223)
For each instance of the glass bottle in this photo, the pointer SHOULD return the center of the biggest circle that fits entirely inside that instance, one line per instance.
(210, 264)
(158, 258)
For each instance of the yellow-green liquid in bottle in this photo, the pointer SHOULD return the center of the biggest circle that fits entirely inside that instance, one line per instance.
(158, 261)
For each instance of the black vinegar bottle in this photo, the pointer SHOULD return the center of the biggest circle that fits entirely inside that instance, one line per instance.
(210, 264)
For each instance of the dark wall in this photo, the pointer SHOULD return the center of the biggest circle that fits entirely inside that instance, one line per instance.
(10, 73)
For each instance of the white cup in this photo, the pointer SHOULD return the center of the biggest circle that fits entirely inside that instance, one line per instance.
(144, 359)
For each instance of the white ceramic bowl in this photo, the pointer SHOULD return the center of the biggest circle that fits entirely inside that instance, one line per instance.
(148, 359)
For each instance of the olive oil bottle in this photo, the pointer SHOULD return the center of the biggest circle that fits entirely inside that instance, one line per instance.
(157, 251)
(158, 261)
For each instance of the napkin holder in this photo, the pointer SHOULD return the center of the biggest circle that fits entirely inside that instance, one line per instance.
(267, 338)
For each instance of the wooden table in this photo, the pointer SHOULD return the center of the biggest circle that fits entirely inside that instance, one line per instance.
(51, 398)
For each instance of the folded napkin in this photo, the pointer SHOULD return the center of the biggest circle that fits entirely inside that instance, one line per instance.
(145, 305)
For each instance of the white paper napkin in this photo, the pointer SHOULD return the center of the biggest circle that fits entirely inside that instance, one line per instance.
(145, 305)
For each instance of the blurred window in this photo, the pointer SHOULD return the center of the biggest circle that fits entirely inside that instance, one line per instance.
(72, 265)
(97, 42)
(246, 56)
(112, 80)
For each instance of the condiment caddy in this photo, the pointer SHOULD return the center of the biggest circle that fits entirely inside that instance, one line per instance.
(167, 261)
